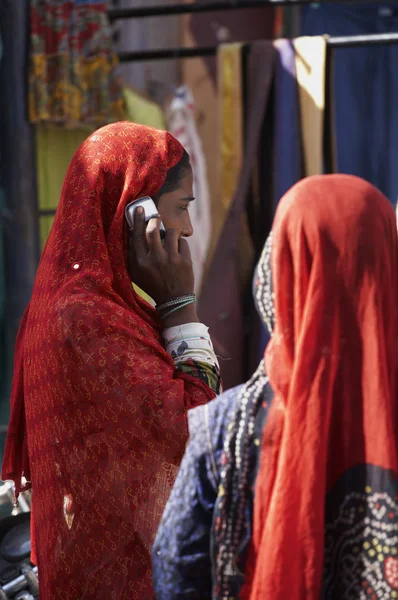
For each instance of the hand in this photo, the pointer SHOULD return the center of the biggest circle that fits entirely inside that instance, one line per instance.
(164, 272)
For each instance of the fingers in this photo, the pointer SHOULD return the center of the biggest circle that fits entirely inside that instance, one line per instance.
(171, 243)
(184, 250)
(153, 238)
(137, 234)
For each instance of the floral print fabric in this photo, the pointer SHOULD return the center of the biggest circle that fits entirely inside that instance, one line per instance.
(72, 77)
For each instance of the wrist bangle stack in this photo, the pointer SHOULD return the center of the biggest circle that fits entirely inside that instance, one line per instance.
(167, 308)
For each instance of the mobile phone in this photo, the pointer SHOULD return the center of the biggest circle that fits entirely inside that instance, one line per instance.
(150, 212)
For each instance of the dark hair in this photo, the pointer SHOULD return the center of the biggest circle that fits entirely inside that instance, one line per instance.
(174, 176)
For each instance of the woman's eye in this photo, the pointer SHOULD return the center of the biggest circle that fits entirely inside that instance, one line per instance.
(184, 207)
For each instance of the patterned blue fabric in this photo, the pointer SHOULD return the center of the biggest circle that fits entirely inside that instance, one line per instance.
(181, 553)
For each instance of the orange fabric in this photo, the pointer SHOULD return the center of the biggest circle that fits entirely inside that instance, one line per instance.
(332, 366)
(98, 412)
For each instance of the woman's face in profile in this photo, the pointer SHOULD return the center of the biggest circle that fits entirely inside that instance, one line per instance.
(173, 207)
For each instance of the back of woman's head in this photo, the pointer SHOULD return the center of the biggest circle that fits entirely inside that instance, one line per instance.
(334, 261)
(332, 365)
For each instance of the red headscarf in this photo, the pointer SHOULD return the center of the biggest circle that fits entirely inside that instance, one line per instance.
(329, 454)
(98, 412)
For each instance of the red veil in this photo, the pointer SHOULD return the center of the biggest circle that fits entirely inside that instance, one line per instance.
(326, 511)
(98, 413)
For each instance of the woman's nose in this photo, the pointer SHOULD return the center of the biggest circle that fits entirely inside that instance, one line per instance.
(187, 230)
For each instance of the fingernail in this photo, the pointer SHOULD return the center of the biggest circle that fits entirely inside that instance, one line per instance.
(140, 210)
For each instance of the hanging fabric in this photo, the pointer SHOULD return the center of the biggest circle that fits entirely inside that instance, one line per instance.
(143, 110)
(55, 147)
(365, 83)
(71, 65)
(232, 132)
(221, 299)
(310, 57)
(278, 22)
(287, 158)
(229, 69)
(181, 123)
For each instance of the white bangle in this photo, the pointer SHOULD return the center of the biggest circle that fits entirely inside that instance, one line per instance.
(190, 341)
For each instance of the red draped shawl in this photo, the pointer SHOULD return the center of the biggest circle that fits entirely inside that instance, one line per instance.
(332, 366)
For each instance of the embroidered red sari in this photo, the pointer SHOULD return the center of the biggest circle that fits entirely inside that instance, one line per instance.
(98, 413)
(326, 498)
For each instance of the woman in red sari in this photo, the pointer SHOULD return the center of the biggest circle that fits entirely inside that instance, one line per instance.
(101, 384)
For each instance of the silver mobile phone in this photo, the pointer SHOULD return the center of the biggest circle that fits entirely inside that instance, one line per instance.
(150, 212)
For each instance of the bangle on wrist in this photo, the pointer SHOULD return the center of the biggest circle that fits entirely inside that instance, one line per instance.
(167, 308)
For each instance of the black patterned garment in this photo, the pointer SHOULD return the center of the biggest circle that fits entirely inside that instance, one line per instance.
(361, 536)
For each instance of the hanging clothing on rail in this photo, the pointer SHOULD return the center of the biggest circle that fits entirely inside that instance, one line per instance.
(55, 147)
(229, 68)
(72, 75)
(231, 95)
(287, 161)
(288, 143)
(221, 299)
(310, 58)
(365, 89)
(142, 110)
(181, 123)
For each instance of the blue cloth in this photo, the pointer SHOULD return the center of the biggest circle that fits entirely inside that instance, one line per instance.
(288, 148)
(181, 557)
(365, 90)
(288, 157)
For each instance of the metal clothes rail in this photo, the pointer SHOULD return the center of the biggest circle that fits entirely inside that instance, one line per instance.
(179, 53)
(208, 6)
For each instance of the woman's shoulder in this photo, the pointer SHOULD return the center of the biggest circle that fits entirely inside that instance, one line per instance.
(216, 410)
(209, 421)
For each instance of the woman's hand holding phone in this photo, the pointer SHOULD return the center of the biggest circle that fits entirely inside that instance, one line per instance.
(163, 270)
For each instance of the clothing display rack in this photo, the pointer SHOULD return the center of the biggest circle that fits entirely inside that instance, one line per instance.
(193, 8)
